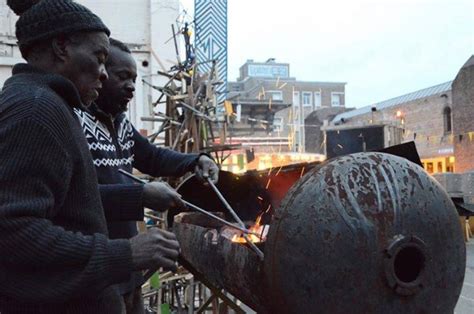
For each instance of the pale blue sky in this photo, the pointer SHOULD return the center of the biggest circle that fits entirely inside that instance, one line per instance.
(381, 48)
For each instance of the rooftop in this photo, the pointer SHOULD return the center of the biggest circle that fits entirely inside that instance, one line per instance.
(422, 93)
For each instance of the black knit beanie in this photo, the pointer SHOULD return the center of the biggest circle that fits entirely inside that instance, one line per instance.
(45, 19)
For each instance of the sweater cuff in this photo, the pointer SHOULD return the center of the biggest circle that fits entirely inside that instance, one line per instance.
(119, 259)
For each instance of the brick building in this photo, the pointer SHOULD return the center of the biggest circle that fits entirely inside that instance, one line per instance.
(439, 119)
(463, 117)
(268, 85)
(425, 117)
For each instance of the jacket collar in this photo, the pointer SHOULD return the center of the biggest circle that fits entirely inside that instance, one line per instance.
(103, 116)
(59, 84)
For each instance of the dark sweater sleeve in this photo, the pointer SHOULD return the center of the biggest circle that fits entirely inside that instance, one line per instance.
(40, 261)
(160, 162)
(122, 202)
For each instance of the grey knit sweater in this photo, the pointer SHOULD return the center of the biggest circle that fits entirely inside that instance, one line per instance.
(55, 256)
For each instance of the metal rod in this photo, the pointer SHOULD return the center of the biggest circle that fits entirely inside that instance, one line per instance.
(205, 212)
(224, 201)
(131, 176)
(236, 217)
(199, 209)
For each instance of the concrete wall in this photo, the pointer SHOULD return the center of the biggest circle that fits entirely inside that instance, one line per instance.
(314, 136)
(463, 116)
(145, 25)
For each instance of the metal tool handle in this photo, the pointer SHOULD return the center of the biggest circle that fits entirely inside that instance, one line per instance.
(237, 218)
(199, 209)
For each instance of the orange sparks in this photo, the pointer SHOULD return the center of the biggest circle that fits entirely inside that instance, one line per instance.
(302, 172)
(278, 172)
(270, 171)
(268, 184)
(256, 228)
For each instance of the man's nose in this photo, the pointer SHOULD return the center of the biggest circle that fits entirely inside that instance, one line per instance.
(130, 87)
(104, 76)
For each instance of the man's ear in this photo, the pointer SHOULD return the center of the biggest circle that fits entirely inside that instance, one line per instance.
(60, 46)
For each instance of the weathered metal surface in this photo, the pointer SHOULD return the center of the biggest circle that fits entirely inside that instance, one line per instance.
(365, 233)
(224, 264)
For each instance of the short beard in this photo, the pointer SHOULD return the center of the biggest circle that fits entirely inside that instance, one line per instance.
(109, 106)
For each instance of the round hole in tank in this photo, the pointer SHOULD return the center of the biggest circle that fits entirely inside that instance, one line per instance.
(408, 264)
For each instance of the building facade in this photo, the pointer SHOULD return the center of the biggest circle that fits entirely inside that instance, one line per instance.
(463, 117)
(144, 25)
(270, 84)
(315, 141)
(425, 116)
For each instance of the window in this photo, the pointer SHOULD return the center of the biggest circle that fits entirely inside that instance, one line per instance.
(429, 167)
(296, 106)
(307, 99)
(448, 120)
(277, 124)
(275, 95)
(317, 99)
(336, 99)
(440, 167)
(296, 99)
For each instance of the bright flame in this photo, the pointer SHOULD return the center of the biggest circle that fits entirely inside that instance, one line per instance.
(256, 228)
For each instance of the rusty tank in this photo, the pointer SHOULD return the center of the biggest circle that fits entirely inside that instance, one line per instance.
(363, 233)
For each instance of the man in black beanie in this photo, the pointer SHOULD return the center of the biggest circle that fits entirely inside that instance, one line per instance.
(55, 256)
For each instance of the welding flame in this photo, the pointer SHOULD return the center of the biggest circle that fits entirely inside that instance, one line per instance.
(256, 228)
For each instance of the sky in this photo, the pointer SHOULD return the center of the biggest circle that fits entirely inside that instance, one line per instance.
(380, 48)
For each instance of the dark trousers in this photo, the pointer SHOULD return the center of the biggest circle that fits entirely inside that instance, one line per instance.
(133, 302)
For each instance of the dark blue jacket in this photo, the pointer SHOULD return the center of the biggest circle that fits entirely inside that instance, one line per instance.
(116, 144)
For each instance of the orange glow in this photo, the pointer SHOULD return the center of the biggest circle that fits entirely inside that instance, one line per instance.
(256, 228)
(399, 114)
(302, 172)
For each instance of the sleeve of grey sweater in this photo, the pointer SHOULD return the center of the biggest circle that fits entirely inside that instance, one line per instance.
(41, 261)
(122, 202)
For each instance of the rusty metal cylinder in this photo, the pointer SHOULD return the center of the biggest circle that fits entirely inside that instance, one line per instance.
(365, 233)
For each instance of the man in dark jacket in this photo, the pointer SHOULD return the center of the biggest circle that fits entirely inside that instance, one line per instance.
(116, 144)
(55, 256)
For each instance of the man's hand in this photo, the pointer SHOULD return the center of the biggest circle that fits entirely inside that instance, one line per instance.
(161, 197)
(206, 168)
(154, 249)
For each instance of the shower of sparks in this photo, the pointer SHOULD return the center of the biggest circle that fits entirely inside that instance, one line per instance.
(268, 184)
(270, 171)
(278, 172)
(302, 172)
